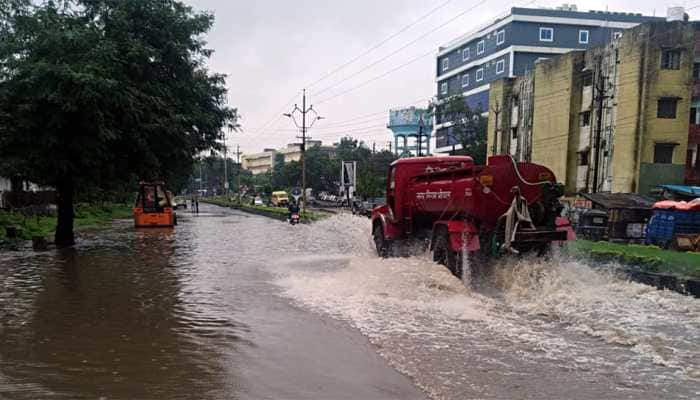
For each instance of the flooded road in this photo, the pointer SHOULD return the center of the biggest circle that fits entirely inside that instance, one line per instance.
(236, 306)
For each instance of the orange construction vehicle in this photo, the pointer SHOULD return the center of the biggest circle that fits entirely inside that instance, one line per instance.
(154, 206)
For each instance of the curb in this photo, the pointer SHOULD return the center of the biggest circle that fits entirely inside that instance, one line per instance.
(687, 286)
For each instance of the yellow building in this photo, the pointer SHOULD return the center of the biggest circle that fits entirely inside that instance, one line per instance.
(614, 118)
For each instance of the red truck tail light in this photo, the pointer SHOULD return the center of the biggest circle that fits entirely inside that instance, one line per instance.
(486, 180)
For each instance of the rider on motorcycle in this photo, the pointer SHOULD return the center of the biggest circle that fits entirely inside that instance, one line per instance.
(293, 208)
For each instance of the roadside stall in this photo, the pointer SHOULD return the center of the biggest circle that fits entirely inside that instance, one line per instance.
(628, 214)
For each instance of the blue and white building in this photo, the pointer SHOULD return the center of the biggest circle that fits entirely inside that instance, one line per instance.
(510, 46)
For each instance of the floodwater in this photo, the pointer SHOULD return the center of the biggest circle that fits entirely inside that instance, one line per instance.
(234, 306)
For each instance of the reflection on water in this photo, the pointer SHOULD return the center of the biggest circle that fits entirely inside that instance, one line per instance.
(109, 317)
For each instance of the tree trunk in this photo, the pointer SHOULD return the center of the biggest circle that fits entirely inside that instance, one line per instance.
(65, 236)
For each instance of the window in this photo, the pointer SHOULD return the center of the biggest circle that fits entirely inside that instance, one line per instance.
(586, 118)
(663, 153)
(479, 74)
(670, 59)
(546, 34)
(617, 35)
(583, 158)
(696, 70)
(465, 54)
(666, 108)
(588, 79)
(514, 133)
(694, 115)
(500, 37)
(465, 80)
(500, 66)
(445, 63)
(443, 88)
(480, 47)
(583, 36)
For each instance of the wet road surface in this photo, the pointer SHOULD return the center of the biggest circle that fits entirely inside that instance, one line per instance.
(230, 305)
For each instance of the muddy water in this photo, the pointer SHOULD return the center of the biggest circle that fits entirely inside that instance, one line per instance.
(233, 306)
(189, 313)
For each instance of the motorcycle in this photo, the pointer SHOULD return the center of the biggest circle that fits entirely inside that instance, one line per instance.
(294, 219)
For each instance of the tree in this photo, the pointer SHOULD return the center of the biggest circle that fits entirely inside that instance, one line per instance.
(468, 129)
(98, 93)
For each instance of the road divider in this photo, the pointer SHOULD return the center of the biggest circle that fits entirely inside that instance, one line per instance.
(278, 213)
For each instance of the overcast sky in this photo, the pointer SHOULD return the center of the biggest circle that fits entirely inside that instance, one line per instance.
(270, 50)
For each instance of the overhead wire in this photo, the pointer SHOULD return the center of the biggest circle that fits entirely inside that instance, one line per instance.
(378, 45)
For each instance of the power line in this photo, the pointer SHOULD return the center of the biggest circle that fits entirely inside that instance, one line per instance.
(365, 83)
(449, 21)
(378, 45)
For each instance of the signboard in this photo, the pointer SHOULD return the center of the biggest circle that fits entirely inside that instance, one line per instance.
(348, 177)
(296, 193)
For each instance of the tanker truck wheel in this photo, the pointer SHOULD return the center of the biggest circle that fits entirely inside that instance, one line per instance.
(383, 246)
(443, 254)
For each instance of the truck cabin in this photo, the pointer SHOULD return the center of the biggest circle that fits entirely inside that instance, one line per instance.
(152, 198)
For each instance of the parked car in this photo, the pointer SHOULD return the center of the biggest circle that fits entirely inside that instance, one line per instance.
(279, 199)
(258, 201)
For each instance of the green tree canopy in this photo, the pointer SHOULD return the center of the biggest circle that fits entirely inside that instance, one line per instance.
(468, 129)
(95, 93)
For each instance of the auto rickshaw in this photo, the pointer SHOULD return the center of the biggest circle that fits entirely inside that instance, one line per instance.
(153, 206)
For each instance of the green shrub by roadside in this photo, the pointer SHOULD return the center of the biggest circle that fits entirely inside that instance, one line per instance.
(646, 258)
(86, 215)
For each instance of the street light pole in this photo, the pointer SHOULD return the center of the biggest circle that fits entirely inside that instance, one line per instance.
(303, 111)
(225, 167)
(238, 162)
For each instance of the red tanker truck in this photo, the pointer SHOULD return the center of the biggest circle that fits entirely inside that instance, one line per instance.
(462, 209)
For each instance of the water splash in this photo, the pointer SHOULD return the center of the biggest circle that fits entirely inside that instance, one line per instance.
(576, 318)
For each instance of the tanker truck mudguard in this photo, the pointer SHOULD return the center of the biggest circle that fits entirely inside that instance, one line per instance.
(462, 209)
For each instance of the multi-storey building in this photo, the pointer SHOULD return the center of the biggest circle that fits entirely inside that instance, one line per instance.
(614, 118)
(692, 168)
(259, 163)
(509, 47)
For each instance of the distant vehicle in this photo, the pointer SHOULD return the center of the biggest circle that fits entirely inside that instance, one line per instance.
(294, 218)
(153, 206)
(279, 199)
(258, 201)
(178, 202)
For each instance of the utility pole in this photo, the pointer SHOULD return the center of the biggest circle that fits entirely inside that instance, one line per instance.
(225, 168)
(303, 111)
(496, 130)
(238, 161)
(600, 98)
(420, 135)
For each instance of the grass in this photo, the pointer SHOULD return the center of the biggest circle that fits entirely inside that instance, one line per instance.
(306, 216)
(85, 216)
(647, 258)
